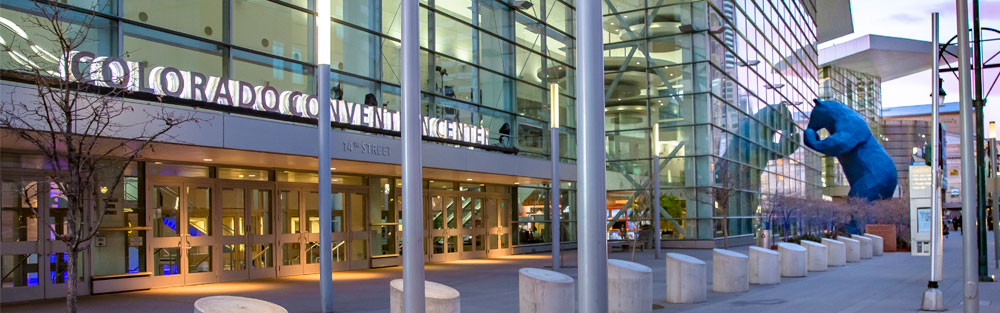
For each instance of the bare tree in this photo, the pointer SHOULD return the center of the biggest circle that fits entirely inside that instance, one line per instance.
(730, 177)
(76, 125)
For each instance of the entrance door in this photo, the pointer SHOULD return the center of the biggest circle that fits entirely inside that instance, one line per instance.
(498, 227)
(473, 230)
(292, 236)
(183, 240)
(357, 229)
(33, 262)
(444, 231)
(247, 237)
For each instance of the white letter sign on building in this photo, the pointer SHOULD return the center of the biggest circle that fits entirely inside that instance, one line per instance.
(119, 73)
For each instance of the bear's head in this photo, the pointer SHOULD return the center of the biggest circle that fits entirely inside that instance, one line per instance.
(826, 113)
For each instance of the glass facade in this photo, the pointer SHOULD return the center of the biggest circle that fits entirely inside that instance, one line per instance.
(721, 90)
(861, 92)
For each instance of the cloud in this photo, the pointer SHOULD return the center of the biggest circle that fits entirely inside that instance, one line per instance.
(905, 18)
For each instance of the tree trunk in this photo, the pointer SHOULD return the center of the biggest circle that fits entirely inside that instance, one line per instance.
(71, 282)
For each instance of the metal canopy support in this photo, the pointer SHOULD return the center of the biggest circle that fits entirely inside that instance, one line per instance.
(325, 213)
(413, 210)
(969, 254)
(592, 247)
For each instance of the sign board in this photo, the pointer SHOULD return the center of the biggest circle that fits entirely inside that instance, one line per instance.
(100, 240)
(920, 212)
(135, 241)
(168, 81)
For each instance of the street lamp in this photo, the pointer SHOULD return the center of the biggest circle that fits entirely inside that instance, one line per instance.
(556, 209)
(933, 299)
(995, 173)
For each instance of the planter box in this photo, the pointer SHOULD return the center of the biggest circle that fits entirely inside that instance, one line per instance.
(887, 232)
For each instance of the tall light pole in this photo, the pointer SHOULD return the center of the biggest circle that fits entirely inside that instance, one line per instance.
(323, 97)
(592, 211)
(978, 103)
(933, 297)
(556, 209)
(996, 193)
(656, 189)
(413, 209)
(970, 260)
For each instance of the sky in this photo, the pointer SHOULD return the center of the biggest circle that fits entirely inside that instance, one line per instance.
(912, 19)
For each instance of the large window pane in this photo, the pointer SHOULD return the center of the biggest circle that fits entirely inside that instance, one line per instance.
(20, 200)
(161, 49)
(361, 13)
(261, 70)
(352, 50)
(454, 38)
(457, 79)
(27, 47)
(273, 28)
(195, 17)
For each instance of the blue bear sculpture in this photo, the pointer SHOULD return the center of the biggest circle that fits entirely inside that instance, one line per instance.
(869, 169)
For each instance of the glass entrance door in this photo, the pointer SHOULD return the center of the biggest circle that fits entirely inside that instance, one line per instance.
(473, 227)
(292, 236)
(498, 227)
(183, 242)
(444, 233)
(246, 227)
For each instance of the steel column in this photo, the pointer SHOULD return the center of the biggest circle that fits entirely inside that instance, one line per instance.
(323, 99)
(969, 248)
(936, 236)
(556, 210)
(413, 209)
(978, 102)
(656, 199)
(592, 247)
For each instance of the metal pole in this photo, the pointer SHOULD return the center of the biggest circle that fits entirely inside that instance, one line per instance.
(556, 210)
(996, 201)
(978, 104)
(592, 211)
(656, 190)
(969, 260)
(933, 297)
(413, 209)
(323, 97)
(656, 203)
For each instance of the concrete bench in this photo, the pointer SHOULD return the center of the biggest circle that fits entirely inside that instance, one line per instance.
(544, 291)
(234, 304)
(836, 252)
(817, 256)
(729, 271)
(793, 260)
(878, 245)
(438, 298)
(866, 246)
(765, 266)
(853, 251)
(630, 287)
(686, 279)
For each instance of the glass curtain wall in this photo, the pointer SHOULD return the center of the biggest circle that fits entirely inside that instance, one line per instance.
(483, 62)
(722, 90)
(859, 91)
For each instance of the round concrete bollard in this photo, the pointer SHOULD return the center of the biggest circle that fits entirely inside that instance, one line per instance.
(853, 249)
(630, 287)
(686, 279)
(544, 291)
(765, 266)
(836, 252)
(729, 271)
(439, 298)
(878, 244)
(233, 304)
(817, 255)
(867, 248)
(793, 260)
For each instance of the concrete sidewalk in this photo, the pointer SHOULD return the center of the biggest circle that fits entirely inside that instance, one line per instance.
(891, 283)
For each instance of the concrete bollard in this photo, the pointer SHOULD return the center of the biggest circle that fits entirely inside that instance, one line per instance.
(225, 304)
(729, 271)
(817, 256)
(765, 266)
(439, 298)
(686, 279)
(853, 251)
(836, 252)
(545, 291)
(866, 246)
(630, 287)
(793, 260)
(878, 245)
